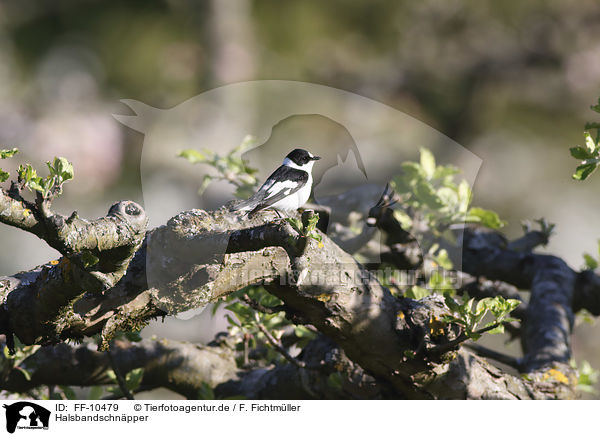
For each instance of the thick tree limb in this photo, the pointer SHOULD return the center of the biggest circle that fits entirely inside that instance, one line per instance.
(36, 304)
(187, 368)
(324, 286)
(199, 257)
(546, 339)
(179, 366)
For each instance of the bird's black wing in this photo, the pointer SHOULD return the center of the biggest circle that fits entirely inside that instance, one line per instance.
(283, 182)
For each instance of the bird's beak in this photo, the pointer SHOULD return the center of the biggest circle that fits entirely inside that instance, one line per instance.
(316, 157)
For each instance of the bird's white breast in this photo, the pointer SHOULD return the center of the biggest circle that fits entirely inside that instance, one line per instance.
(296, 200)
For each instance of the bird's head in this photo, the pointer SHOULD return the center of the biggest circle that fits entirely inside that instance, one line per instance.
(301, 159)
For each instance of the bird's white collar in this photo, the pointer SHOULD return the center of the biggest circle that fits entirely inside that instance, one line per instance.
(306, 167)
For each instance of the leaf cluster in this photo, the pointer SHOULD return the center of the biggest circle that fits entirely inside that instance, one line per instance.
(469, 315)
(589, 153)
(60, 171)
(245, 320)
(591, 262)
(5, 154)
(430, 192)
(309, 230)
(230, 167)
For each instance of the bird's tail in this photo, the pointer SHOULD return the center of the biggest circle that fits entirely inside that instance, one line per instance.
(245, 206)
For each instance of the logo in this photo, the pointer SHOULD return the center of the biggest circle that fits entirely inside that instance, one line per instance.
(26, 415)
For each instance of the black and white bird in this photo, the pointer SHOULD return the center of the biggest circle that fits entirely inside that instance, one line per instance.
(288, 188)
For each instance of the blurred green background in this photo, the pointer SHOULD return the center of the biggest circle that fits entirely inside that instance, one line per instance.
(511, 81)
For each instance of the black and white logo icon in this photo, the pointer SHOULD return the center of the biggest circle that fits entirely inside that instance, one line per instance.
(26, 415)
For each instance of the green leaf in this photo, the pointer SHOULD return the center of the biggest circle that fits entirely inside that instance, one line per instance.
(313, 221)
(205, 392)
(445, 172)
(443, 260)
(29, 177)
(587, 376)
(512, 304)
(427, 162)
(37, 184)
(439, 283)
(26, 173)
(474, 336)
(62, 168)
(88, 259)
(589, 142)
(509, 319)
(5, 154)
(580, 153)
(195, 156)
(205, 183)
(69, 393)
(296, 225)
(464, 196)
(111, 376)
(584, 170)
(303, 332)
(403, 218)
(451, 303)
(497, 330)
(133, 378)
(95, 393)
(334, 381)
(448, 196)
(425, 193)
(487, 218)
(412, 171)
(248, 142)
(231, 321)
(317, 237)
(4, 176)
(590, 262)
(417, 293)
(467, 304)
(482, 305)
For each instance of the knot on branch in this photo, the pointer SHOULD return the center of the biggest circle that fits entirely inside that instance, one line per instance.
(132, 213)
(103, 248)
(421, 325)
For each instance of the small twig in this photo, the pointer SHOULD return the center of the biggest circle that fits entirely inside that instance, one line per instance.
(279, 347)
(14, 192)
(491, 354)
(440, 349)
(120, 379)
(246, 349)
(43, 205)
(72, 217)
(264, 309)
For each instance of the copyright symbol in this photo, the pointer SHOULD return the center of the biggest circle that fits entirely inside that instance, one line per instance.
(137, 407)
